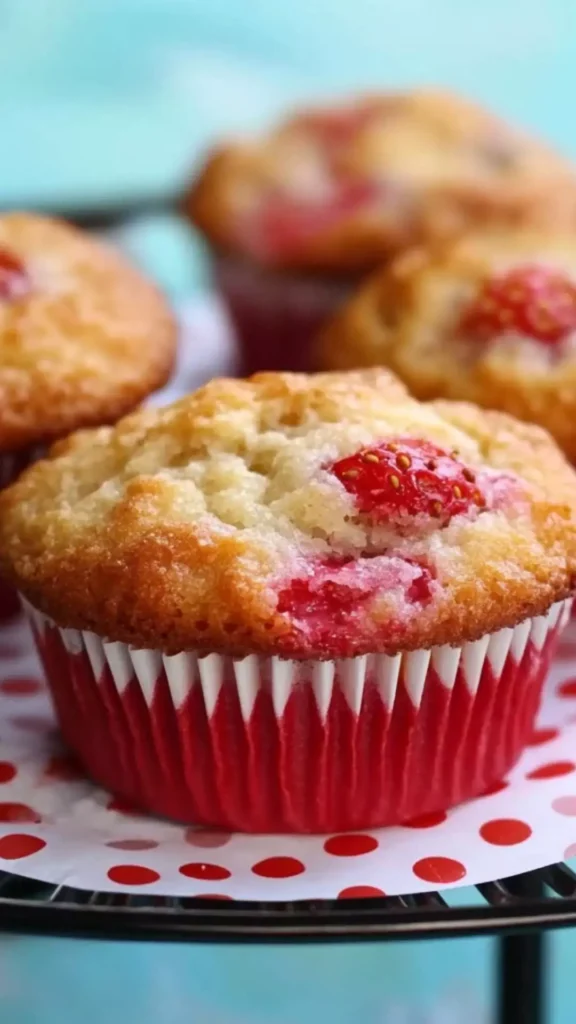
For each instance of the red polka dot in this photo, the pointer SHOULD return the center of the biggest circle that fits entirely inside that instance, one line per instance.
(20, 686)
(132, 874)
(426, 820)
(439, 869)
(567, 688)
(33, 723)
(570, 851)
(15, 846)
(495, 787)
(133, 844)
(350, 845)
(278, 867)
(211, 896)
(552, 770)
(357, 892)
(565, 805)
(18, 812)
(117, 803)
(540, 736)
(205, 839)
(505, 831)
(64, 768)
(7, 771)
(209, 872)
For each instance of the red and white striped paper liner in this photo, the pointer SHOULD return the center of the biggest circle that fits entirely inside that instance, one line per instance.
(271, 745)
(276, 315)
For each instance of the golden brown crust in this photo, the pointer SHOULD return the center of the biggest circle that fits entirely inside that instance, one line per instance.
(86, 344)
(440, 165)
(406, 317)
(179, 528)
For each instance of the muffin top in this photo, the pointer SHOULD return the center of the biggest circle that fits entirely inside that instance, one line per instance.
(83, 336)
(342, 188)
(489, 319)
(322, 516)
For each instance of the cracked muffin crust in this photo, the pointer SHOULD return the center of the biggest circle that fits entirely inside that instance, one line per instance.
(341, 188)
(307, 516)
(489, 319)
(84, 337)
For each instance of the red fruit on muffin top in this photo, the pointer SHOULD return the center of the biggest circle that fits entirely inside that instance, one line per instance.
(286, 223)
(300, 516)
(14, 279)
(405, 478)
(333, 597)
(536, 301)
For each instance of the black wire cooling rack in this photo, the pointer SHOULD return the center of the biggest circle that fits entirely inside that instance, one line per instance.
(539, 900)
(517, 910)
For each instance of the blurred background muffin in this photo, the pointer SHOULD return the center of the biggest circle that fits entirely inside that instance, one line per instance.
(294, 219)
(83, 339)
(489, 318)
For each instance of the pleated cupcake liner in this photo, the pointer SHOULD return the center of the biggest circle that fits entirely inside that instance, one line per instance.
(276, 315)
(264, 744)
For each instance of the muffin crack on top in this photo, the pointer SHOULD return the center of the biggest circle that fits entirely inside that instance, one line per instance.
(306, 516)
(83, 336)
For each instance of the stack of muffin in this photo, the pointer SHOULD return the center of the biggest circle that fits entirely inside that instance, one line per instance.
(306, 601)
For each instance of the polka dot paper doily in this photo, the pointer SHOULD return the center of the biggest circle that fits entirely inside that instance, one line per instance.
(58, 827)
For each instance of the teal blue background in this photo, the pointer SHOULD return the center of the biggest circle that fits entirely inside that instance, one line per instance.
(100, 99)
(104, 99)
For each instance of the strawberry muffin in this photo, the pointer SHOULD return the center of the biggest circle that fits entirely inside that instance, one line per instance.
(296, 603)
(83, 339)
(295, 218)
(490, 319)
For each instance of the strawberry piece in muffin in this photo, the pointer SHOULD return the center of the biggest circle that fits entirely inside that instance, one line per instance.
(532, 300)
(14, 279)
(285, 223)
(333, 598)
(403, 479)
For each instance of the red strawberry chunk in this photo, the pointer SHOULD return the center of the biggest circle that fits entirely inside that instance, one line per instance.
(286, 224)
(14, 280)
(400, 480)
(326, 591)
(536, 301)
(329, 602)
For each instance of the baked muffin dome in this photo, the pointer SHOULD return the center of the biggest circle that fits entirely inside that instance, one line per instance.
(83, 336)
(306, 516)
(342, 188)
(489, 319)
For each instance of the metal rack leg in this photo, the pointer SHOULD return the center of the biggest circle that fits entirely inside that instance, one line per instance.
(522, 979)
